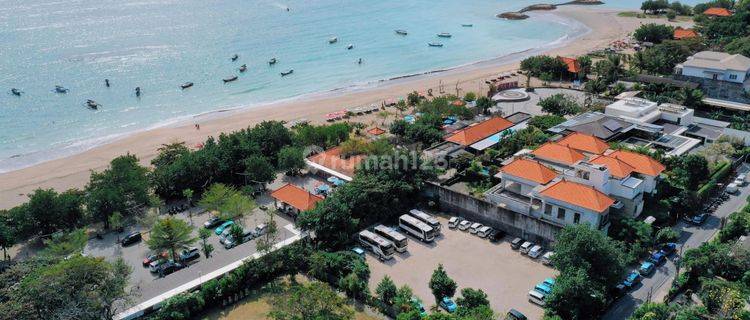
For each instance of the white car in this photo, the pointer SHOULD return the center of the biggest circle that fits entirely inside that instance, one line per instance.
(525, 247)
(732, 188)
(536, 251)
(484, 231)
(739, 182)
(547, 258)
(453, 222)
(464, 225)
(475, 227)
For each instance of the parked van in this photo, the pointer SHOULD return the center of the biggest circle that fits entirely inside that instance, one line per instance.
(475, 227)
(525, 247)
(536, 297)
(484, 231)
(547, 258)
(535, 251)
(453, 222)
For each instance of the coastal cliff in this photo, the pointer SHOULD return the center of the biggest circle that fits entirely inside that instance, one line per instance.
(519, 15)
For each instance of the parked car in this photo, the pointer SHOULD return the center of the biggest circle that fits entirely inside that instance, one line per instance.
(464, 225)
(632, 279)
(189, 254)
(526, 246)
(153, 267)
(668, 248)
(260, 230)
(496, 235)
(550, 282)
(359, 251)
(646, 268)
(448, 305)
(732, 188)
(536, 251)
(739, 181)
(170, 267)
(154, 257)
(543, 288)
(657, 258)
(618, 291)
(484, 231)
(131, 238)
(224, 235)
(417, 304)
(547, 258)
(212, 223)
(514, 314)
(537, 297)
(223, 226)
(475, 227)
(699, 219)
(516, 243)
(453, 222)
(230, 242)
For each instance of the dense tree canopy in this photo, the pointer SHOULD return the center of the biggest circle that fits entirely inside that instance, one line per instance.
(560, 105)
(654, 33)
(123, 187)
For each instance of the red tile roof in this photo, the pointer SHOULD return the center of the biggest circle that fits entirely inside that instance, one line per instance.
(617, 168)
(332, 159)
(572, 63)
(479, 131)
(680, 33)
(584, 142)
(579, 195)
(296, 197)
(529, 170)
(641, 163)
(376, 131)
(558, 153)
(717, 12)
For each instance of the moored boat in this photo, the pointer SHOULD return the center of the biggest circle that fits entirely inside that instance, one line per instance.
(444, 35)
(467, 25)
(235, 57)
(286, 73)
(229, 79)
(350, 46)
(401, 32)
(91, 104)
(61, 89)
(272, 61)
(15, 92)
(435, 44)
(243, 68)
(186, 85)
(333, 40)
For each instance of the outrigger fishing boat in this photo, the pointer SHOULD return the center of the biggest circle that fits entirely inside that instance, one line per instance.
(272, 61)
(444, 35)
(401, 32)
(91, 104)
(15, 92)
(350, 46)
(286, 73)
(61, 89)
(243, 68)
(435, 44)
(333, 40)
(229, 79)
(235, 57)
(467, 25)
(186, 85)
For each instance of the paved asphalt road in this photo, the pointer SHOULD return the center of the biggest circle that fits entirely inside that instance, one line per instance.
(691, 237)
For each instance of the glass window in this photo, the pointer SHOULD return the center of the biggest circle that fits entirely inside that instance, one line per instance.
(733, 76)
(561, 213)
(576, 217)
(547, 209)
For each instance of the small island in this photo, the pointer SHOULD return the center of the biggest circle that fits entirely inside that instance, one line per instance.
(520, 14)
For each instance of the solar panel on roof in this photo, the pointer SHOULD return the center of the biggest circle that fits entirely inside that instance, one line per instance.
(612, 125)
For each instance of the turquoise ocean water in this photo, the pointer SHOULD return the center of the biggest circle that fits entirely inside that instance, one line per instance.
(158, 45)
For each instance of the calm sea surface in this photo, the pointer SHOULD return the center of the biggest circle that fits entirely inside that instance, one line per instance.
(158, 45)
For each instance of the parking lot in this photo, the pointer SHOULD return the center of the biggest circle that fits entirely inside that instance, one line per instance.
(503, 273)
(148, 285)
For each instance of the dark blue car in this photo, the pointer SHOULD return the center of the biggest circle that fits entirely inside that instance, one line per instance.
(668, 248)
(699, 219)
(657, 258)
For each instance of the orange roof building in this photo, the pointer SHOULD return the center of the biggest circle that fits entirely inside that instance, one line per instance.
(376, 131)
(572, 64)
(617, 168)
(641, 163)
(717, 12)
(584, 142)
(332, 163)
(680, 33)
(580, 195)
(530, 170)
(479, 131)
(558, 153)
(296, 197)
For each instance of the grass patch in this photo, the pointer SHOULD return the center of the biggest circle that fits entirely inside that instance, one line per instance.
(641, 15)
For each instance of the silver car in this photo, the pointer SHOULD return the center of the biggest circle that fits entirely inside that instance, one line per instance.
(464, 225)
(475, 227)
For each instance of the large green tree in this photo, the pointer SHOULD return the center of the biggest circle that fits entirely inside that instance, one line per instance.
(576, 295)
(655, 33)
(315, 300)
(123, 187)
(583, 247)
(291, 159)
(441, 284)
(171, 234)
(560, 105)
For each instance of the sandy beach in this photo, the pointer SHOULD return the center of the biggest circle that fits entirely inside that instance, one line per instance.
(73, 171)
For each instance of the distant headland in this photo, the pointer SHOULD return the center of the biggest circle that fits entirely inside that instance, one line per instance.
(520, 14)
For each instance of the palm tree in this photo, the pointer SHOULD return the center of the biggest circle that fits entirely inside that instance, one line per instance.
(616, 64)
(171, 234)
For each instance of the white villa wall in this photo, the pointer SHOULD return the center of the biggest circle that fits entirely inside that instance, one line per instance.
(708, 74)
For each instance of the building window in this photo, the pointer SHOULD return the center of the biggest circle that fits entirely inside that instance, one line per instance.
(733, 76)
(561, 213)
(547, 209)
(576, 217)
